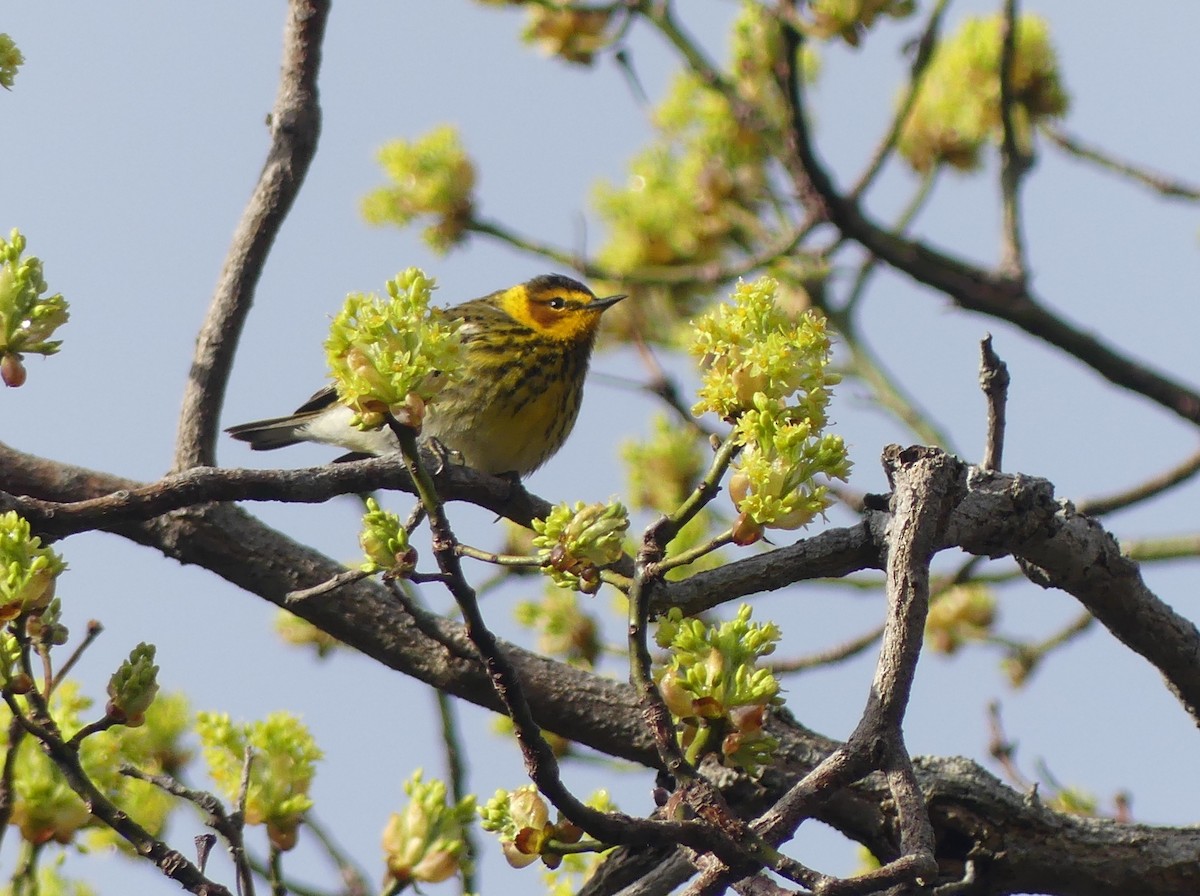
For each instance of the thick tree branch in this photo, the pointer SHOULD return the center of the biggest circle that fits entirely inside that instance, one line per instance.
(120, 501)
(1017, 845)
(295, 125)
(1001, 514)
(927, 484)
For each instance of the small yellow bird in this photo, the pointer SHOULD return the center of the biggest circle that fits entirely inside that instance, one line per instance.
(526, 353)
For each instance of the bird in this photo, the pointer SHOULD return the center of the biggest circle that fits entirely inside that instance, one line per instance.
(526, 353)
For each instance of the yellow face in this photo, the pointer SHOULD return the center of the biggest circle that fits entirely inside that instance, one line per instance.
(555, 307)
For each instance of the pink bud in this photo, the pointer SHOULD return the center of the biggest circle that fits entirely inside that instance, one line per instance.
(12, 370)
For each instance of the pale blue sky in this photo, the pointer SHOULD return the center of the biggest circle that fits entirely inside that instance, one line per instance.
(134, 134)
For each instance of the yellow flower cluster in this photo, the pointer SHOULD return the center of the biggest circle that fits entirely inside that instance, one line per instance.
(767, 372)
(390, 356)
(957, 109)
(432, 176)
(281, 772)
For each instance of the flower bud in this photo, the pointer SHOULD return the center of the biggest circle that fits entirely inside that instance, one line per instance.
(12, 371)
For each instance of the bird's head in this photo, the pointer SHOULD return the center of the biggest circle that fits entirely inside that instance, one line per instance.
(555, 307)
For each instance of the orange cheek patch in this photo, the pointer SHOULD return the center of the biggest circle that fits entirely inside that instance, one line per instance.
(544, 317)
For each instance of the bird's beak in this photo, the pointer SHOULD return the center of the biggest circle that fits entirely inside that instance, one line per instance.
(601, 304)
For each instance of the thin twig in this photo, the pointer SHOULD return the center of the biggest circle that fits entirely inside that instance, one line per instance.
(836, 654)
(994, 380)
(275, 871)
(1178, 474)
(870, 264)
(1013, 160)
(924, 53)
(94, 630)
(16, 733)
(522, 561)
(1004, 750)
(1160, 183)
(1028, 656)
(353, 877)
(170, 862)
(237, 846)
(456, 771)
(971, 287)
(692, 554)
(349, 577)
(707, 273)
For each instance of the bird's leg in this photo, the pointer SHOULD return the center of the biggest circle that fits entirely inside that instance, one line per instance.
(441, 454)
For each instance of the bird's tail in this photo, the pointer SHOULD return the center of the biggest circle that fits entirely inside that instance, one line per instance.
(277, 432)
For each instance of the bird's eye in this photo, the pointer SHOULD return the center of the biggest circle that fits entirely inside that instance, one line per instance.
(557, 303)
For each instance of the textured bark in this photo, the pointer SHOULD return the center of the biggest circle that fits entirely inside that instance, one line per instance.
(1015, 844)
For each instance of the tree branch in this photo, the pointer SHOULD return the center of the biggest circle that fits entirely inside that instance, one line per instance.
(1016, 844)
(295, 125)
(1013, 161)
(993, 379)
(1159, 183)
(971, 287)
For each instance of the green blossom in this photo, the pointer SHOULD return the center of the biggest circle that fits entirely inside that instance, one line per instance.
(300, 632)
(45, 808)
(28, 571)
(1074, 801)
(663, 469)
(521, 819)
(385, 542)
(281, 770)
(44, 627)
(432, 176)
(28, 318)
(767, 372)
(848, 19)
(156, 747)
(753, 346)
(773, 482)
(565, 629)
(577, 868)
(958, 615)
(133, 687)
(573, 35)
(713, 687)
(10, 655)
(390, 356)
(576, 541)
(425, 844)
(10, 60)
(957, 109)
(698, 193)
(50, 883)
